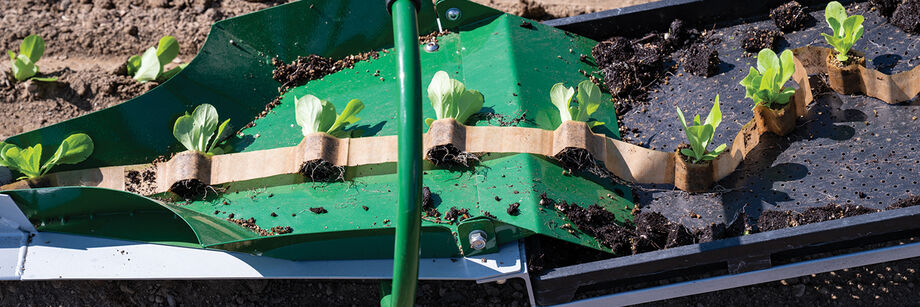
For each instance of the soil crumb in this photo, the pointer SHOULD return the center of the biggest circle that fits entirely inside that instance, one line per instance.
(701, 60)
(907, 16)
(456, 215)
(250, 224)
(753, 40)
(885, 7)
(318, 210)
(790, 17)
(428, 206)
(282, 230)
(631, 71)
(322, 171)
(513, 209)
(450, 157)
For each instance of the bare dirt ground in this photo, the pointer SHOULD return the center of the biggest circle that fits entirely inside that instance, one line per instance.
(87, 43)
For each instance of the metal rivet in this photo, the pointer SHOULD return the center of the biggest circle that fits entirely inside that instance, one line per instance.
(431, 47)
(453, 14)
(478, 239)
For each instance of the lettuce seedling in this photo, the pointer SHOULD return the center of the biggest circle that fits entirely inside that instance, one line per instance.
(74, 149)
(764, 85)
(700, 134)
(200, 132)
(846, 29)
(149, 66)
(23, 65)
(588, 101)
(451, 99)
(316, 115)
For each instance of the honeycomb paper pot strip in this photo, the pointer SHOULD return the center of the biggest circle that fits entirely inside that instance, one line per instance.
(627, 161)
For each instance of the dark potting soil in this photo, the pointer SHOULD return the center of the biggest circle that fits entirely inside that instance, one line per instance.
(513, 209)
(851, 58)
(312, 67)
(649, 231)
(282, 230)
(501, 119)
(630, 68)
(910, 201)
(322, 171)
(428, 205)
(250, 224)
(456, 215)
(773, 220)
(191, 189)
(432, 37)
(427, 202)
(600, 224)
(885, 7)
(142, 182)
(753, 39)
(579, 159)
(790, 17)
(907, 16)
(701, 60)
(318, 210)
(448, 156)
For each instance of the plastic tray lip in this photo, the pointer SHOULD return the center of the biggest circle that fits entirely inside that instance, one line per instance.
(786, 239)
(612, 13)
(658, 15)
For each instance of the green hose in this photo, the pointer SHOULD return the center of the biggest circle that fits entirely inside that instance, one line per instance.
(408, 219)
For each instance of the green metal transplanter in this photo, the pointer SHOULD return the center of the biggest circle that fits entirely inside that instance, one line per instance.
(513, 66)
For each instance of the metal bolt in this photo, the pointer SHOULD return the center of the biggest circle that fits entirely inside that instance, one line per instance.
(478, 239)
(453, 14)
(431, 47)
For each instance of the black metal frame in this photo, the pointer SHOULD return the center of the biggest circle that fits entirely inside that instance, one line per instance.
(737, 254)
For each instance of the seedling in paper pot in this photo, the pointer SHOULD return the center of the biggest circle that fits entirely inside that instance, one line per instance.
(316, 115)
(23, 64)
(847, 29)
(699, 134)
(451, 99)
(200, 132)
(74, 149)
(764, 85)
(588, 101)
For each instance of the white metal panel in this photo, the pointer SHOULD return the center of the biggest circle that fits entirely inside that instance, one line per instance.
(54, 255)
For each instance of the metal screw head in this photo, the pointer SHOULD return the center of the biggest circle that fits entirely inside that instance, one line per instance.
(478, 239)
(432, 47)
(453, 14)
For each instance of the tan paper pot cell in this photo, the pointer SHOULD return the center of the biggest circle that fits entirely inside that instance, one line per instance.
(692, 177)
(189, 173)
(781, 122)
(845, 79)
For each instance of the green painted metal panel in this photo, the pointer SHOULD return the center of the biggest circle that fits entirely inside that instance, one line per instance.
(514, 67)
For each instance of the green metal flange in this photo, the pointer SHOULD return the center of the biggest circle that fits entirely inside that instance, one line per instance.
(512, 66)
